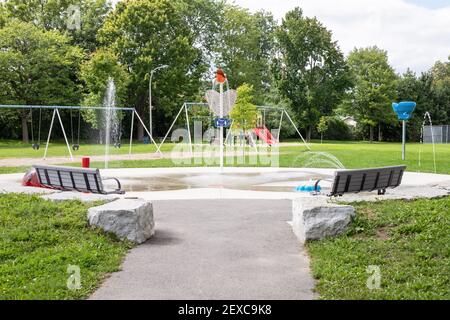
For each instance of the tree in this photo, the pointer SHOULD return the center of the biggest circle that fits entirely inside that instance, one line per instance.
(245, 48)
(244, 112)
(205, 19)
(311, 71)
(2, 15)
(375, 84)
(95, 73)
(145, 34)
(322, 127)
(36, 67)
(440, 85)
(410, 87)
(57, 15)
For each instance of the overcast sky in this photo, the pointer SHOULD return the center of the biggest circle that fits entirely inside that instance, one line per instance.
(416, 33)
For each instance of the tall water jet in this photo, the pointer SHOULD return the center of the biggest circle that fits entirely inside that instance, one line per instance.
(427, 115)
(110, 119)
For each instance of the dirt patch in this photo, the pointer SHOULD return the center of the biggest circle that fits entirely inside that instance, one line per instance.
(382, 234)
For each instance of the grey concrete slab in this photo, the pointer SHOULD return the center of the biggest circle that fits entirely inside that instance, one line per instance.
(215, 249)
(80, 196)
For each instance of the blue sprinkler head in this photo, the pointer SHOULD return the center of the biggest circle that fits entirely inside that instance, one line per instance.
(308, 188)
(404, 109)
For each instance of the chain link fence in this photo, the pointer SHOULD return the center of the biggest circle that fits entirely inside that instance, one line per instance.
(441, 134)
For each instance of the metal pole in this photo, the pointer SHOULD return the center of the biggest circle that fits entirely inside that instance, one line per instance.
(64, 133)
(173, 123)
(279, 128)
(146, 130)
(150, 102)
(49, 133)
(189, 130)
(221, 127)
(292, 122)
(131, 133)
(404, 140)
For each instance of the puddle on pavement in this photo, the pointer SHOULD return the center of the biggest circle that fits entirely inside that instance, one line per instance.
(282, 181)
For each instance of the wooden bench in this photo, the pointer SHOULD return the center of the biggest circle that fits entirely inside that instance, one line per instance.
(354, 181)
(70, 178)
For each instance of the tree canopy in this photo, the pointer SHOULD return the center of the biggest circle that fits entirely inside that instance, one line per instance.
(295, 64)
(145, 34)
(37, 67)
(374, 88)
(312, 73)
(244, 112)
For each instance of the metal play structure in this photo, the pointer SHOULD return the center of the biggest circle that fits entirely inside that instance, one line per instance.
(220, 104)
(188, 106)
(56, 114)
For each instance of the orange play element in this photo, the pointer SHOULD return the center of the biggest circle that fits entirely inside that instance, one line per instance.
(220, 76)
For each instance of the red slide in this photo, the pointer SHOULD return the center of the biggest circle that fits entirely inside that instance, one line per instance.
(265, 135)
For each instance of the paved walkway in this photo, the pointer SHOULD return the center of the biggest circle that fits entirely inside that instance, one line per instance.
(215, 249)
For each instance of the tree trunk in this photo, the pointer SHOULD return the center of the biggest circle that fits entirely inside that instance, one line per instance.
(370, 134)
(140, 131)
(380, 133)
(308, 133)
(321, 138)
(25, 138)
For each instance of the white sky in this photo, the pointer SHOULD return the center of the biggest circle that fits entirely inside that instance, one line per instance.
(416, 33)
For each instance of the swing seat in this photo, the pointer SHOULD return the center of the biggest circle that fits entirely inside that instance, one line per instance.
(71, 178)
(117, 145)
(76, 147)
(35, 146)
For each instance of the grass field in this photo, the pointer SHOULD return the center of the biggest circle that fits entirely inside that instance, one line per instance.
(408, 241)
(39, 240)
(351, 154)
(14, 149)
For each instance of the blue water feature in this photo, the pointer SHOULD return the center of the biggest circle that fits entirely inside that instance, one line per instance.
(404, 109)
(308, 188)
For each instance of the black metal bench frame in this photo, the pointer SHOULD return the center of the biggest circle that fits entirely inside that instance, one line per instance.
(72, 178)
(366, 180)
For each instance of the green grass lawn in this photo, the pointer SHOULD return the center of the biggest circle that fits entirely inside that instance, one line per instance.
(14, 149)
(350, 154)
(38, 241)
(365, 155)
(408, 241)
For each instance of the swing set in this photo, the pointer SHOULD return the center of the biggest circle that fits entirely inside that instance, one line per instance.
(75, 143)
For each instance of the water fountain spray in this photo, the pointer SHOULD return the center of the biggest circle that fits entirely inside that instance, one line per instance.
(110, 119)
(427, 115)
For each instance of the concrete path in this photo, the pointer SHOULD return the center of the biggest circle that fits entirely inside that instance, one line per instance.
(215, 249)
